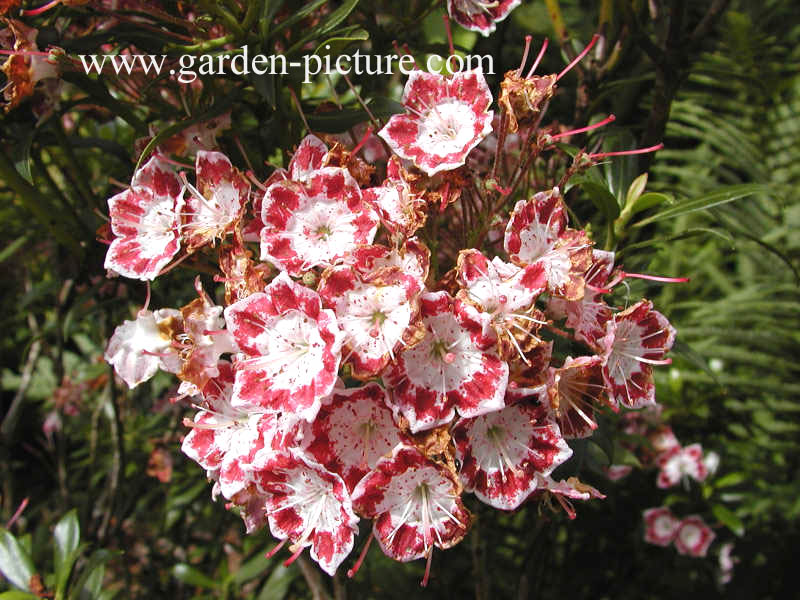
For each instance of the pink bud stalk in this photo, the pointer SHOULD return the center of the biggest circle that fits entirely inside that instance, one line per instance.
(606, 121)
(578, 58)
(655, 148)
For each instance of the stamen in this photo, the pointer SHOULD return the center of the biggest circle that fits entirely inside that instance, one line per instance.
(424, 582)
(294, 556)
(363, 141)
(17, 513)
(276, 549)
(578, 58)
(352, 572)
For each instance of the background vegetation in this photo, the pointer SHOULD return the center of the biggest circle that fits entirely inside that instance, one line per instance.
(113, 508)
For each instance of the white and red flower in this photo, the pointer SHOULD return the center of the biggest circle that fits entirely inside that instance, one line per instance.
(575, 390)
(308, 505)
(480, 15)
(502, 452)
(290, 347)
(225, 439)
(402, 210)
(635, 340)
(678, 463)
(660, 526)
(507, 294)
(447, 117)
(589, 315)
(145, 220)
(415, 503)
(693, 537)
(316, 222)
(138, 348)
(454, 367)
(216, 203)
(353, 429)
(537, 233)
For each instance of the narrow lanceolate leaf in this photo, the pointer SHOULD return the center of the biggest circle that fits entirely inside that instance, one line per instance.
(725, 516)
(15, 562)
(721, 196)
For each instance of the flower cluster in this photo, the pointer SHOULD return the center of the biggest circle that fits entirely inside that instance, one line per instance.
(342, 379)
(691, 536)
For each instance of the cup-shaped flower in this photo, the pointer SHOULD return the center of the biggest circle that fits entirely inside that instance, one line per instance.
(635, 340)
(402, 209)
(376, 311)
(216, 203)
(446, 118)
(506, 293)
(291, 348)
(138, 348)
(660, 526)
(203, 339)
(693, 537)
(502, 452)
(415, 504)
(353, 429)
(537, 233)
(575, 390)
(145, 220)
(480, 15)
(315, 223)
(678, 463)
(454, 367)
(225, 439)
(588, 316)
(310, 506)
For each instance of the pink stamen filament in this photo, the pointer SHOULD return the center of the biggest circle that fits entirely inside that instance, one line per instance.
(363, 141)
(254, 180)
(538, 58)
(214, 331)
(578, 58)
(44, 8)
(598, 290)
(655, 148)
(276, 549)
(294, 556)
(606, 121)
(424, 582)
(352, 572)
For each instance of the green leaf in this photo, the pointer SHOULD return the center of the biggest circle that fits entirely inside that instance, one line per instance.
(278, 583)
(730, 479)
(636, 189)
(17, 595)
(9, 250)
(15, 562)
(721, 196)
(603, 199)
(725, 516)
(337, 16)
(23, 151)
(85, 583)
(649, 200)
(188, 574)
(67, 536)
(252, 568)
